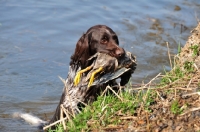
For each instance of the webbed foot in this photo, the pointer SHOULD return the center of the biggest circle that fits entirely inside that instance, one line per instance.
(93, 76)
(79, 73)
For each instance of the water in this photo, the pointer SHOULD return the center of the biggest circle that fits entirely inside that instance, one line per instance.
(37, 39)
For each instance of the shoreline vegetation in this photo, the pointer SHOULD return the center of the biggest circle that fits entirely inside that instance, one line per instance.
(167, 103)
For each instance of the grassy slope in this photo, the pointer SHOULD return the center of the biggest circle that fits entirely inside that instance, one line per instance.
(170, 104)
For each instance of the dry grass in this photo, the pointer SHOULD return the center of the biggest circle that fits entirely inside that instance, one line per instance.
(169, 102)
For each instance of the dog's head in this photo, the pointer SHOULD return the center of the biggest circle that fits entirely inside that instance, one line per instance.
(99, 38)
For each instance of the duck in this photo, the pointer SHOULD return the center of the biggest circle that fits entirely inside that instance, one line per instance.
(104, 68)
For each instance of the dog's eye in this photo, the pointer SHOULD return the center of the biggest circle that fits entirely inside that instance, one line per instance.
(116, 39)
(104, 40)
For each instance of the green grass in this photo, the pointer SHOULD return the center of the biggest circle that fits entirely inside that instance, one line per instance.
(195, 49)
(188, 66)
(179, 48)
(59, 128)
(175, 107)
(108, 109)
(172, 76)
(103, 112)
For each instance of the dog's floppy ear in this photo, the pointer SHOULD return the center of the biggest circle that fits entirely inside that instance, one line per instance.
(82, 52)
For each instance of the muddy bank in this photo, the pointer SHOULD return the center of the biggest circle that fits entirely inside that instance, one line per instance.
(167, 103)
(190, 52)
(174, 102)
(176, 106)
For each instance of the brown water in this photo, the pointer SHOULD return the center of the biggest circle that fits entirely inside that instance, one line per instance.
(37, 39)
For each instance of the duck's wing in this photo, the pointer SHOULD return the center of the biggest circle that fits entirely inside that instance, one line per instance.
(111, 76)
(126, 67)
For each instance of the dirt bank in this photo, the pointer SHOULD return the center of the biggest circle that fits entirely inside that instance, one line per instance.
(191, 51)
(168, 103)
(174, 104)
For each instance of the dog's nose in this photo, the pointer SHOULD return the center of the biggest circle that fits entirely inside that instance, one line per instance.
(120, 52)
